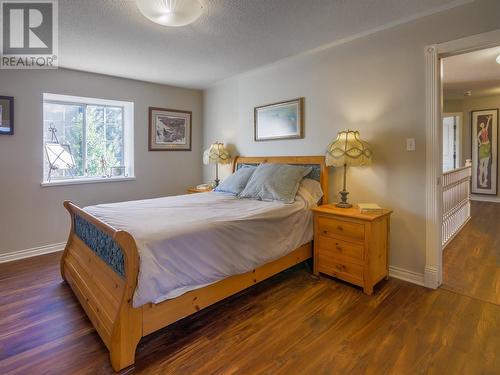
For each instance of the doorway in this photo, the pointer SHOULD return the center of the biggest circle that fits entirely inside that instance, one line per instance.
(471, 88)
(434, 56)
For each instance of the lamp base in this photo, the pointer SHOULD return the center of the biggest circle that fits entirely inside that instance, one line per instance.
(216, 182)
(343, 203)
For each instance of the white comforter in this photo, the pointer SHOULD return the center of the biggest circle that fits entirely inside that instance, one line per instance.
(190, 241)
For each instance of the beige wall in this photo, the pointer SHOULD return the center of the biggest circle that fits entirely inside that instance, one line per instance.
(31, 215)
(466, 106)
(375, 85)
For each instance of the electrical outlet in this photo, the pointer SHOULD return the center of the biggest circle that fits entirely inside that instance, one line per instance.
(410, 144)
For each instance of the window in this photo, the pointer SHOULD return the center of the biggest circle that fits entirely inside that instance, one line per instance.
(86, 140)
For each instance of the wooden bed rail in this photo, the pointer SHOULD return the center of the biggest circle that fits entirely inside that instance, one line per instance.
(104, 295)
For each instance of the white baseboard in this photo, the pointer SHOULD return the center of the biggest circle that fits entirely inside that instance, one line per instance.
(482, 198)
(431, 277)
(28, 253)
(406, 275)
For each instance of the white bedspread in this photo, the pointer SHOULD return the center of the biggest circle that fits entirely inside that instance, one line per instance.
(190, 241)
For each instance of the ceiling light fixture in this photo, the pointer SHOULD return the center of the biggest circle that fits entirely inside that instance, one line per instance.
(173, 13)
(498, 59)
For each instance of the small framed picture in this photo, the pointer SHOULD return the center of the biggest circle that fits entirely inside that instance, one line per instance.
(283, 120)
(6, 115)
(169, 129)
(484, 151)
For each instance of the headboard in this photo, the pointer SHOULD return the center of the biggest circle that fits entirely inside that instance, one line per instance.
(319, 172)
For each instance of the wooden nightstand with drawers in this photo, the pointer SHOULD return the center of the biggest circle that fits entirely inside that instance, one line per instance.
(351, 246)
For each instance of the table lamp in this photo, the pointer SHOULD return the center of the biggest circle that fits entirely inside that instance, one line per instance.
(347, 150)
(216, 154)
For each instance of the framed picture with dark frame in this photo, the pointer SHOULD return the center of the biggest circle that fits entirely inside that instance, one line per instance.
(6, 115)
(484, 136)
(283, 120)
(169, 129)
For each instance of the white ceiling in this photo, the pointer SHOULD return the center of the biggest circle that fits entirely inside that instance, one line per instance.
(231, 37)
(476, 71)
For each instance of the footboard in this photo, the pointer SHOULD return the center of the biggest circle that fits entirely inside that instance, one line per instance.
(101, 265)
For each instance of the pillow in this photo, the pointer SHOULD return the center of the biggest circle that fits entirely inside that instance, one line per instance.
(275, 182)
(310, 190)
(236, 182)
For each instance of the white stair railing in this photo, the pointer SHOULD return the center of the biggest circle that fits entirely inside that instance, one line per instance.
(456, 201)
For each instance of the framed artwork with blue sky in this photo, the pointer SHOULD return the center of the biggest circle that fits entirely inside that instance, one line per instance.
(283, 120)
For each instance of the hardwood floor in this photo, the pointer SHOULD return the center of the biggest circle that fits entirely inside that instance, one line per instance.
(293, 323)
(471, 261)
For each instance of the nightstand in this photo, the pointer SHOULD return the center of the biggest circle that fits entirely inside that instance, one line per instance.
(352, 246)
(194, 189)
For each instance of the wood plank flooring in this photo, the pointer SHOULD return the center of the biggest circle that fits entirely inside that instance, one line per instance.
(293, 323)
(471, 261)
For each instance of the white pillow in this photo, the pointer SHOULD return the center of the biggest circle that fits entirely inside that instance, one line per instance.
(310, 190)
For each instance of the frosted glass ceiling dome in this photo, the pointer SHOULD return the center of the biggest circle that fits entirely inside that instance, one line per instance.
(173, 13)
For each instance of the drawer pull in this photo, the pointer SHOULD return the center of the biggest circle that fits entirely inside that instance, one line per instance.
(340, 228)
(339, 249)
(340, 267)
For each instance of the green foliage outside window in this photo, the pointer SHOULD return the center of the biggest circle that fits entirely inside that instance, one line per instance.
(103, 134)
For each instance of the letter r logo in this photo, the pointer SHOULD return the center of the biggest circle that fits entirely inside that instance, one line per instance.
(17, 28)
(27, 27)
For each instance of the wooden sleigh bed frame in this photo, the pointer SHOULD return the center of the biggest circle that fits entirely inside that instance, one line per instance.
(105, 288)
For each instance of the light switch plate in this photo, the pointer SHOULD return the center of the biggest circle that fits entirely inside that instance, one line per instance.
(410, 144)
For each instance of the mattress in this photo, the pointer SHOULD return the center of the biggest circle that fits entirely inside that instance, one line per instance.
(186, 242)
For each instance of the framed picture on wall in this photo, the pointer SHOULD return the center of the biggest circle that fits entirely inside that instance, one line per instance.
(6, 115)
(169, 129)
(283, 120)
(484, 151)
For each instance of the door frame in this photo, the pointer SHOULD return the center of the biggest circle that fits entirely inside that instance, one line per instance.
(459, 134)
(433, 271)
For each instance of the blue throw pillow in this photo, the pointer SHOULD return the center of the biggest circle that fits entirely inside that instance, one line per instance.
(272, 182)
(235, 183)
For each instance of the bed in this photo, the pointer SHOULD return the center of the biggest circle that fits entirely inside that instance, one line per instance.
(101, 261)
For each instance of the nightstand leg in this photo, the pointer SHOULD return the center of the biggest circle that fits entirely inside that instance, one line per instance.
(368, 290)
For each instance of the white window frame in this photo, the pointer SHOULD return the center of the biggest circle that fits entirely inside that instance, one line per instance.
(128, 139)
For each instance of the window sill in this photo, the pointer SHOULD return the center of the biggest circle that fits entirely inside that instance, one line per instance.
(92, 180)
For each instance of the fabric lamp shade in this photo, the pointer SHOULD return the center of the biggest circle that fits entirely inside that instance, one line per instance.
(347, 149)
(217, 153)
